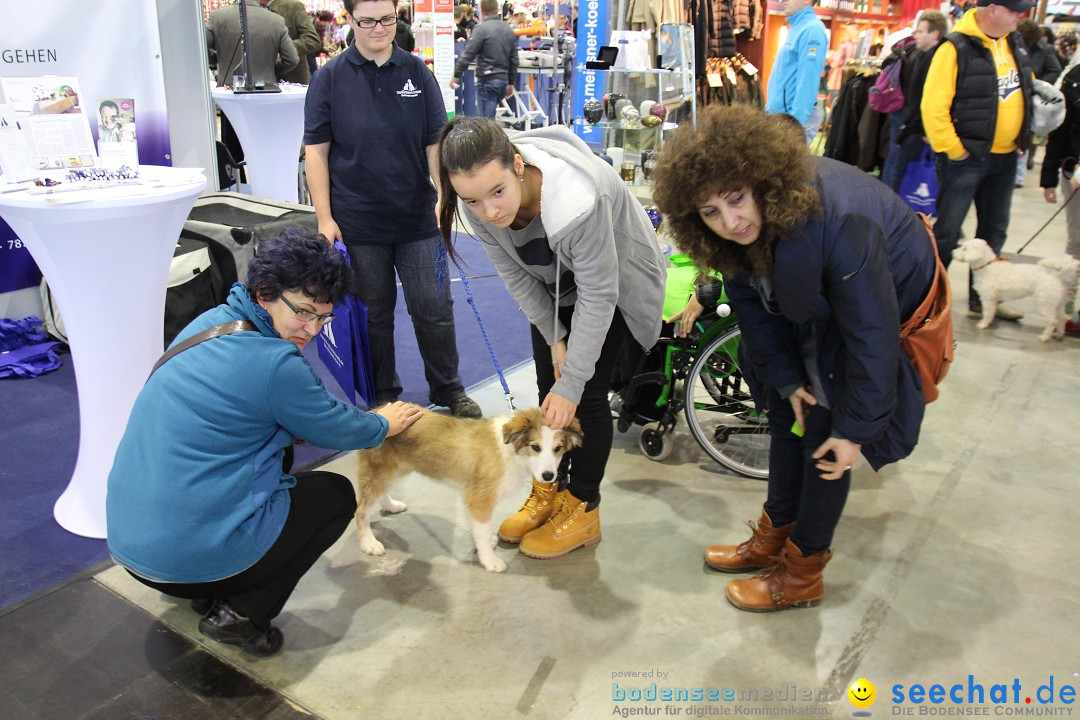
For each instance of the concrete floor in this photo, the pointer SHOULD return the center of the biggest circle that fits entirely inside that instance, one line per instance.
(950, 564)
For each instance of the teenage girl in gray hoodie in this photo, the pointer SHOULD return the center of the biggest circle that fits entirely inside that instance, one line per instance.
(579, 254)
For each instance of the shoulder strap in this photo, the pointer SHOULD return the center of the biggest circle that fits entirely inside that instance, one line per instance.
(217, 331)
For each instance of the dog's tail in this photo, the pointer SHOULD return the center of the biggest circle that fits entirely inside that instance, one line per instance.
(1068, 271)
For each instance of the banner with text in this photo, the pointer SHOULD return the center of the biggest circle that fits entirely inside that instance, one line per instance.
(114, 50)
(592, 33)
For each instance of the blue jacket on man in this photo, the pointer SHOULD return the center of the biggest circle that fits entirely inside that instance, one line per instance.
(796, 75)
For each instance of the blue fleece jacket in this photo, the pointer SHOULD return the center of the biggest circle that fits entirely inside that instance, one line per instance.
(796, 75)
(197, 492)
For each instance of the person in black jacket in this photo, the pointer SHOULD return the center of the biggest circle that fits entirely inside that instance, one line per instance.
(494, 47)
(1059, 168)
(910, 143)
(821, 263)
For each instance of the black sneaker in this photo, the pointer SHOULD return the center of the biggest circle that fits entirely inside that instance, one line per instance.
(225, 625)
(465, 407)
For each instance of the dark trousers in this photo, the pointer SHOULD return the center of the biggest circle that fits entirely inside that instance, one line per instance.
(587, 463)
(796, 490)
(321, 507)
(909, 150)
(989, 183)
(425, 283)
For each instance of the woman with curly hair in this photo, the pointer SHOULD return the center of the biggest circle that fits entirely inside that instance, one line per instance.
(200, 504)
(821, 263)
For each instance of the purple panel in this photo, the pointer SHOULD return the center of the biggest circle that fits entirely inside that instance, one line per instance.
(17, 268)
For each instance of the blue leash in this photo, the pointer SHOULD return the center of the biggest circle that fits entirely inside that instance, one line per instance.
(509, 396)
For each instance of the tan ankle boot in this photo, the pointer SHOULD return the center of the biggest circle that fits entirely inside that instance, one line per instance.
(795, 581)
(538, 507)
(568, 529)
(755, 553)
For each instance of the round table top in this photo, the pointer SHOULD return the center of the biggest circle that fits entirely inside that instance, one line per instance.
(161, 184)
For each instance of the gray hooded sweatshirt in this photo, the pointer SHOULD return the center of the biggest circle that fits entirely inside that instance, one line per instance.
(608, 253)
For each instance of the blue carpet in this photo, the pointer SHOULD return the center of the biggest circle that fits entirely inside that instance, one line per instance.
(39, 431)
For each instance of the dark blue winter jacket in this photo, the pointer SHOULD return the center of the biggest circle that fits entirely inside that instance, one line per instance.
(849, 275)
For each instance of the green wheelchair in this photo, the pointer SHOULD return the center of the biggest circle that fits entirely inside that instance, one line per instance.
(701, 377)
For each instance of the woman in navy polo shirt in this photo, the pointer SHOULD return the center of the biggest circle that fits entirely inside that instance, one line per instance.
(371, 119)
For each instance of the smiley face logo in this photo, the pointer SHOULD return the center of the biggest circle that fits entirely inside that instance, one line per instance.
(862, 693)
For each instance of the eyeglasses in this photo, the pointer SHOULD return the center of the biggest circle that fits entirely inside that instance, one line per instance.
(306, 315)
(369, 23)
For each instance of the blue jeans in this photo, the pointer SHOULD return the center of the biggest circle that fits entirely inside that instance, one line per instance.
(425, 281)
(989, 183)
(489, 91)
(910, 149)
(889, 174)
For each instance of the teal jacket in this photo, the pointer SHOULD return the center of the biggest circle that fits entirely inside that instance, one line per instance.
(197, 492)
(796, 75)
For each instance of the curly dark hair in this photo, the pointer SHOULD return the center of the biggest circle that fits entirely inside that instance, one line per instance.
(734, 147)
(302, 261)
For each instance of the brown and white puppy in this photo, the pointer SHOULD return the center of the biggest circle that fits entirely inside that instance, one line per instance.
(486, 459)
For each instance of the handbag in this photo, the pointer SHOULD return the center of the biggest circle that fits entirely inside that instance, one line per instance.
(927, 336)
(344, 349)
(919, 188)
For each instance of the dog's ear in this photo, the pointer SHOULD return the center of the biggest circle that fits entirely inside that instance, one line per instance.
(572, 434)
(515, 427)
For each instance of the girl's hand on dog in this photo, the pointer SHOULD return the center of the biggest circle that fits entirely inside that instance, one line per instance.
(400, 415)
(558, 411)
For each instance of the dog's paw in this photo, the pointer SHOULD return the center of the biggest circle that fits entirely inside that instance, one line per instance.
(371, 546)
(494, 541)
(393, 506)
(983, 324)
(1045, 337)
(495, 564)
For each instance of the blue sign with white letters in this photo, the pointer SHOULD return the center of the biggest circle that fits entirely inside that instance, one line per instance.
(592, 33)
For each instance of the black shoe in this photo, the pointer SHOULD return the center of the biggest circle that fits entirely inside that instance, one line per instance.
(224, 625)
(465, 407)
(201, 606)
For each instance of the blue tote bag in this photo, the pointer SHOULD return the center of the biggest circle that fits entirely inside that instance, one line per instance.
(344, 349)
(920, 186)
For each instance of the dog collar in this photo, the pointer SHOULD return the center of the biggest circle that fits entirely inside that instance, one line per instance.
(997, 259)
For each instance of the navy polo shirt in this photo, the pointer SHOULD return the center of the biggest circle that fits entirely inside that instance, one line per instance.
(378, 121)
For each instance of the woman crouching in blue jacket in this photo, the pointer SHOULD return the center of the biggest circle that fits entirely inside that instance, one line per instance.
(199, 504)
(822, 262)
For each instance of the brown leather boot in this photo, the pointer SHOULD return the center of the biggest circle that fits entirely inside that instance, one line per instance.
(537, 509)
(755, 553)
(794, 582)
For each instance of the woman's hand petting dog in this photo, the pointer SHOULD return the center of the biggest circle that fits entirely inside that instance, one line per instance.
(558, 411)
(401, 415)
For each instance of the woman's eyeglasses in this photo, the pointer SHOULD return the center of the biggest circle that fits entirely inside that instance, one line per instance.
(306, 315)
(369, 23)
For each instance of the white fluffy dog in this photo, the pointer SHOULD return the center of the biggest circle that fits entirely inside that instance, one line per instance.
(1052, 281)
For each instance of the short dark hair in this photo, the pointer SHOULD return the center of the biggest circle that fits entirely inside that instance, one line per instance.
(350, 5)
(935, 20)
(490, 8)
(1030, 32)
(299, 260)
(108, 103)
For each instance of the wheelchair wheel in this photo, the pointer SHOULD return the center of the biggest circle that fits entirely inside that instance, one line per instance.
(720, 411)
(655, 443)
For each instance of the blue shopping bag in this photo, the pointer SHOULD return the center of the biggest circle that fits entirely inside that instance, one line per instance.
(344, 349)
(920, 186)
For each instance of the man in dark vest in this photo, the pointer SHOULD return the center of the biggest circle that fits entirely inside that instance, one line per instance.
(976, 110)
